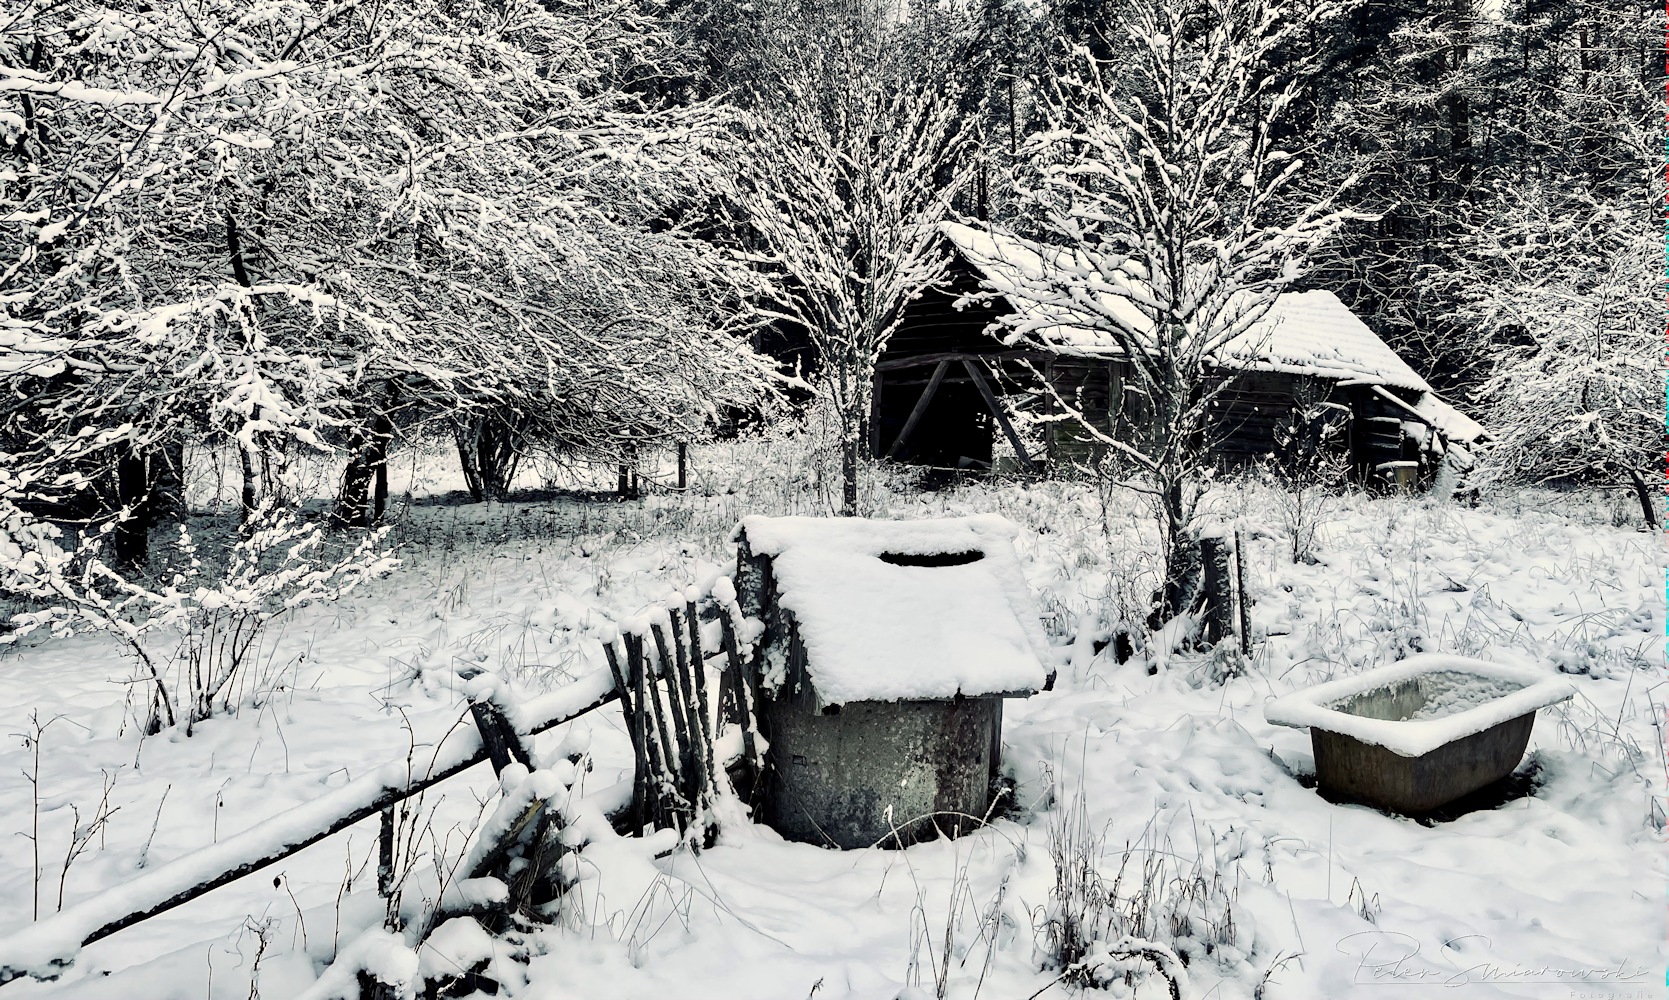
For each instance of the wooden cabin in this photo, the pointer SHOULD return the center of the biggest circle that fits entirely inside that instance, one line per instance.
(888, 648)
(947, 388)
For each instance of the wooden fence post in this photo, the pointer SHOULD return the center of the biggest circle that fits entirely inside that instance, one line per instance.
(498, 736)
(1242, 600)
(385, 853)
(1219, 589)
(747, 702)
(634, 729)
(698, 661)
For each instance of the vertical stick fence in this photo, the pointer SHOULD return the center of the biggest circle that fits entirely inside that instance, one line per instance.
(661, 665)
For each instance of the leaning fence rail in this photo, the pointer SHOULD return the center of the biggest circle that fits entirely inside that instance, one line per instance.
(44, 949)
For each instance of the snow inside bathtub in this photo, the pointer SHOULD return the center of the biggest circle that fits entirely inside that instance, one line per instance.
(1437, 694)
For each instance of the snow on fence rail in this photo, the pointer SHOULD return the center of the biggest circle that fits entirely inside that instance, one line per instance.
(44, 949)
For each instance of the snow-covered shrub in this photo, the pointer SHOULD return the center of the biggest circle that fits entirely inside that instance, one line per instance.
(1306, 470)
(422, 215)
(856, 162)
(1157, 912)
(1169, 266)
(218, 619)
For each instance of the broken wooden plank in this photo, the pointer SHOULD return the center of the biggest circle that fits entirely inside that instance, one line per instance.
(919, 409)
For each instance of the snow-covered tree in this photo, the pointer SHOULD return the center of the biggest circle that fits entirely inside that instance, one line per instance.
(1556, 268)
(1578, 285)
(1161, 179)
(856, 162)
(282, 224)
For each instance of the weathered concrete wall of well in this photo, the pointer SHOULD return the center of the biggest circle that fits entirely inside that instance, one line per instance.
(849, 778)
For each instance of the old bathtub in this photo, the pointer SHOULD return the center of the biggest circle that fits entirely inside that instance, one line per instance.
(1418, 734)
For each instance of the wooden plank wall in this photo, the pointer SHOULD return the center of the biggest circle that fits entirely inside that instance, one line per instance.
(1248, 415)
(935, 326)
(1084, 385)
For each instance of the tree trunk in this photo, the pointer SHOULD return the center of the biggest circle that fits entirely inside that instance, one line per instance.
(167, 474)
(849, 476)
(1644, 493)
(363, 498)
(1182, 576)
(246, 461)
(631, 484)
(1183, 567)
(130, 540)
(1219, 589)
(353, 502)
(490, 451)
(379, 493)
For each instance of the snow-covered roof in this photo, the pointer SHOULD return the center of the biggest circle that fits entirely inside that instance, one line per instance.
(1313, 333)
(1307, 333)
(875, 630)
(1009, 264)
(1455, 425)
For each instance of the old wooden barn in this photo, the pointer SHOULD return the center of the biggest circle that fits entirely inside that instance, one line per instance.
(942, 385)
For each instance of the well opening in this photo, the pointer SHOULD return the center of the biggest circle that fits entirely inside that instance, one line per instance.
(932, 559)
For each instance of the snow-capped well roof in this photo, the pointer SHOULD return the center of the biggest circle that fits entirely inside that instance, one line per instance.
(877, 628)
(1302, 333)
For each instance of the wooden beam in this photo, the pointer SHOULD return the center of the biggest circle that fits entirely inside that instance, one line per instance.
(947, 380)
(997, 411)
(922, 360)
(1411, 411)
(920, 408)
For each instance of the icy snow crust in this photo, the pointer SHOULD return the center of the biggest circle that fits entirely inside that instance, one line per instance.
(875, 631)
(1449, 693)
(1463, 697)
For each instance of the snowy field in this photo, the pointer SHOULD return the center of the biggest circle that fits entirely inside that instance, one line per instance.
(1199, 817)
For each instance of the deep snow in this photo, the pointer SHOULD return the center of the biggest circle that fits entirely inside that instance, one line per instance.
(1173, 779)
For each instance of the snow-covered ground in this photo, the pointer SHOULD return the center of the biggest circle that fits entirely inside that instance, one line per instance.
(1206, 834)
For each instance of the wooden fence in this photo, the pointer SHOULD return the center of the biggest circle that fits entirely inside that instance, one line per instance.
(668, 715)
(44, 949)
(662, 677)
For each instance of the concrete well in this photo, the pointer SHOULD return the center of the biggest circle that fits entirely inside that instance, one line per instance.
(885, 651)
(880, 773)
